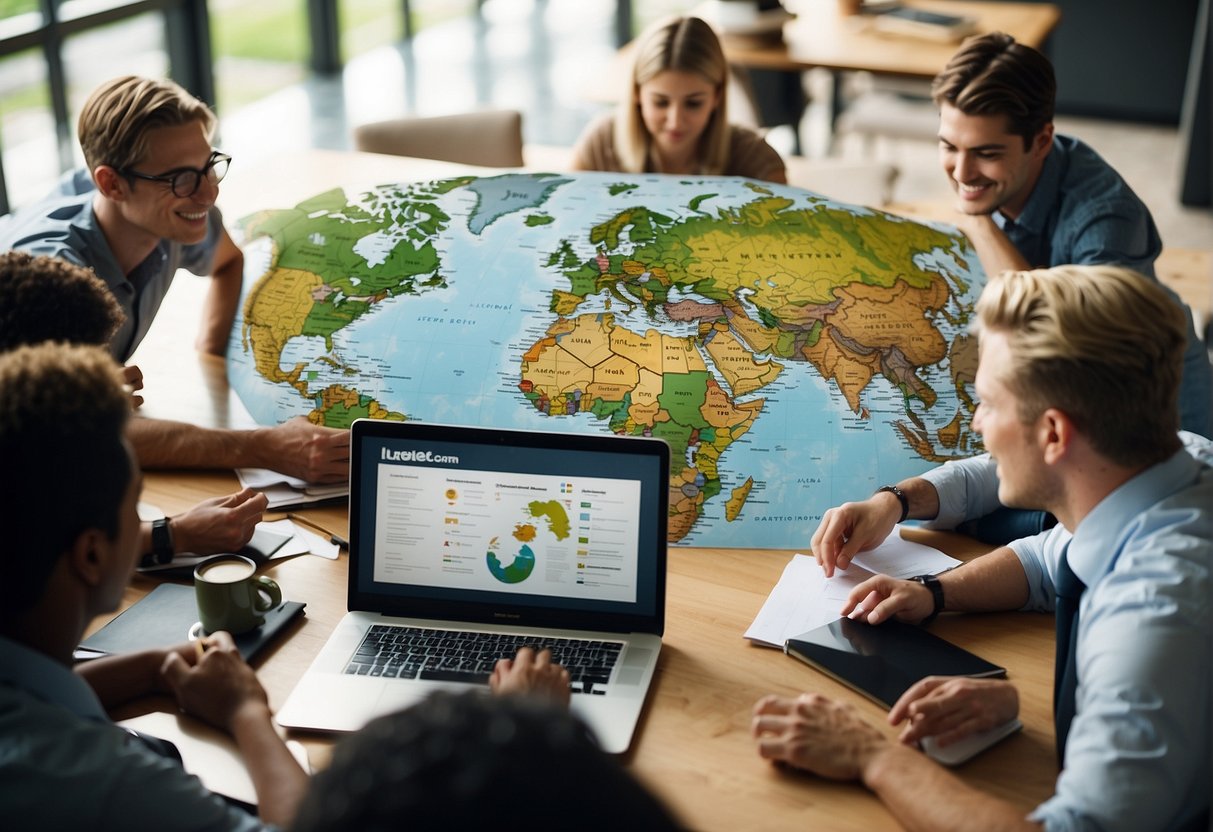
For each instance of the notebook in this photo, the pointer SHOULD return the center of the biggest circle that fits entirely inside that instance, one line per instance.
(164, 618)
(882, 662)
(526, 535)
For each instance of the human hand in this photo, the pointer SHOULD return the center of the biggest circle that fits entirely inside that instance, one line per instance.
(533, 674)
(132, 380)
(950, 708)
(881, 598)
(218, 685)
(852, 528)
(311, 452)
(220, 524)
(816, 734)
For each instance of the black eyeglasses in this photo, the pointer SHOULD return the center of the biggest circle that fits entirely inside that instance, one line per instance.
(185, 182)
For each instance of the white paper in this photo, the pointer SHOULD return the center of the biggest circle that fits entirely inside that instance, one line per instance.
(805, 598)
(900, 558)
(797, 603)
(303, 541)
(208, 753)
(283, 491)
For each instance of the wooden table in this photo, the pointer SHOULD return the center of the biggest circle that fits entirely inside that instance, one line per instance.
(693, 745)
(821, 36)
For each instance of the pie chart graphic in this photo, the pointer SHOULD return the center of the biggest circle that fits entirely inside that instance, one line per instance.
(517, 571)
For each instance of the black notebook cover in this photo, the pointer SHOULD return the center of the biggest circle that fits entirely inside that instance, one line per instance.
(882, 662)
(164, 616)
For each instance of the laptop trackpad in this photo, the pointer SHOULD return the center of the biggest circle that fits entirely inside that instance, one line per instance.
(400, 695)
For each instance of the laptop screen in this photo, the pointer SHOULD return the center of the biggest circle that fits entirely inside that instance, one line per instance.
(486, 525)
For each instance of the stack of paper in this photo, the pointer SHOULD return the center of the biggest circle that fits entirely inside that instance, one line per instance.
(285, 492)
(805, 598)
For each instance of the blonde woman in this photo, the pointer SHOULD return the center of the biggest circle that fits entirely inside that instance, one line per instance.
(674, 119)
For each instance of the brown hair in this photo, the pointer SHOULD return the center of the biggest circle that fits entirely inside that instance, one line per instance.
(62, 415)
(994, 75)
(48, 299)
(1103, 344)
(682, 44)
(117, 117)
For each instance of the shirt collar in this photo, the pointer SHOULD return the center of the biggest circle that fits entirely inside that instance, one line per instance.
(1101, 535)
(47, 680)
(1044, 194)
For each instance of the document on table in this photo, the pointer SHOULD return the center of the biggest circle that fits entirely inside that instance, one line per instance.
(283, 491)
(208, 753)
(302, 541)
(805, 598)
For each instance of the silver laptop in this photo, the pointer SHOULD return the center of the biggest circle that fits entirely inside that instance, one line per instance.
(466, 543)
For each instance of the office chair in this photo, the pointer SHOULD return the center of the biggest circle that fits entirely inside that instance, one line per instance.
(492, 138)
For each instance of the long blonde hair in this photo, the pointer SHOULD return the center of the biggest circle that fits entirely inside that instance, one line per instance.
(682, 44)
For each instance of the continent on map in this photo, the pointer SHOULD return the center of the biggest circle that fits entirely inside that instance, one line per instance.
(767, 281)
(333, 263)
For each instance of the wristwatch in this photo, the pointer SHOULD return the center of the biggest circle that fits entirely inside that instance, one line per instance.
(901, 498)
(162, 541)
(932, 583)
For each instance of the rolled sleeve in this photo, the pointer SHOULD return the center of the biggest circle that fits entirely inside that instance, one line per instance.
(967, 489)
(1037, 555)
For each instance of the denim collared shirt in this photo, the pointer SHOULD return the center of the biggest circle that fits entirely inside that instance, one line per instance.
(64, 225)
(65, 765)
(1081, 211)
(1138, 753)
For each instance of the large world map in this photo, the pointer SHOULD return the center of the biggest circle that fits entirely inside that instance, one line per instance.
(793, 351)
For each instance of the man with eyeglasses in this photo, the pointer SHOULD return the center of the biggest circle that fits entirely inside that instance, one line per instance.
(142, 208)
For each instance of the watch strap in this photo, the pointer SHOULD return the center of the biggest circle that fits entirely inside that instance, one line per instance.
(162, 541)
(932, 583)
(901, 498)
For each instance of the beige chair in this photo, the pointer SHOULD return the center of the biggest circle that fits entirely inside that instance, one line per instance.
(492, 138)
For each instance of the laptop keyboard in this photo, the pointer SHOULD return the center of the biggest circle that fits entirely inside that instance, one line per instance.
(462, 656)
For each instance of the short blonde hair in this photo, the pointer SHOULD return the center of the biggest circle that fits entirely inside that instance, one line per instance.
(1103, 344)
(681, 44)
(117, 117)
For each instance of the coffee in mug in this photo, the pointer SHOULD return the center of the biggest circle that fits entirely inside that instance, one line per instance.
(231, 596)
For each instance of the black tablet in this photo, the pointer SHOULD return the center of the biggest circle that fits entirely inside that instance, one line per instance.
(883, 661)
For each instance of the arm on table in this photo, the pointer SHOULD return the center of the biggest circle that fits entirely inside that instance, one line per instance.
(829, 739)
(296, 447)
(992, 582)
(219, 310)
(221, 689)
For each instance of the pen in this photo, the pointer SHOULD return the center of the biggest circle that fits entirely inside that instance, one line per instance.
(333, 538)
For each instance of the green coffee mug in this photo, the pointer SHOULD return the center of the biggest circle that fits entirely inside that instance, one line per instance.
(231, 596)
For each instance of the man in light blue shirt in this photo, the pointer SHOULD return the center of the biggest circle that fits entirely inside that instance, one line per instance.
(1027, 198)
(1079, 418)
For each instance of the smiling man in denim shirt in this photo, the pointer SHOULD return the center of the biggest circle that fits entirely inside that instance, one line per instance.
(1027, 198)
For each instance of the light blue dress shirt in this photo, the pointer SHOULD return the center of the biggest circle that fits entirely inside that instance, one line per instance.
(1138, 753)
(1081, 211)
(63, 225)
(968, 488)
(65, 765)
